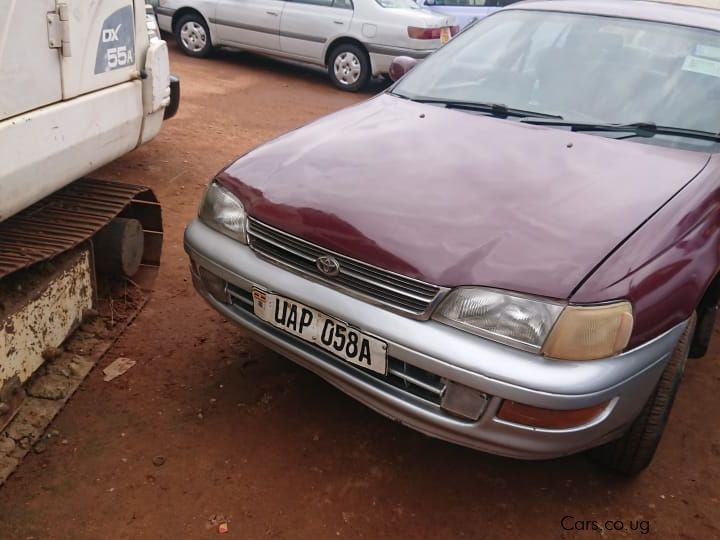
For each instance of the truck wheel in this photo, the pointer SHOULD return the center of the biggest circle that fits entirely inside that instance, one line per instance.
(349, 67)
(634, 451)
(192, 35)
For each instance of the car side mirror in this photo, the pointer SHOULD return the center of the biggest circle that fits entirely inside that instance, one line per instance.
(400, 66)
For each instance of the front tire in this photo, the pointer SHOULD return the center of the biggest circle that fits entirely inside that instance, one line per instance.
(349, 67)
(634, 451)
(193, 36)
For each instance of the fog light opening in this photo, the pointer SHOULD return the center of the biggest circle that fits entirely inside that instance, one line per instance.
(214, 285)
(463, 401)
(537, 417)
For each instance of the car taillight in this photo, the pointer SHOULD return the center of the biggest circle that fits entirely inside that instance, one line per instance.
(415, 32)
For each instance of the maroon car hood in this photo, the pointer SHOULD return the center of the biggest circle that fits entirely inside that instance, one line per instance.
(456, 198)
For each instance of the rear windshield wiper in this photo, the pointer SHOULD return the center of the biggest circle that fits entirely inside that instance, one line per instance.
(637, 129)
(495, 109)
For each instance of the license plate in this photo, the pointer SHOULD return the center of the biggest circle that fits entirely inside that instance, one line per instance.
(326, 332)
(444, 35)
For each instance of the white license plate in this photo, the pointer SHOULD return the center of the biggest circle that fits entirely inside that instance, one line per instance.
(326, 332)
(444, 35)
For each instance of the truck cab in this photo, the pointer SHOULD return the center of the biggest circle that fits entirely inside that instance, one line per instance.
(83, 82)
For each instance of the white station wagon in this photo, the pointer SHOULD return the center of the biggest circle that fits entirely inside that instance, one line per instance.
(354, 39)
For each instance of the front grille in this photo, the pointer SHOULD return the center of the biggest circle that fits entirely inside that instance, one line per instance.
(402, 375)
(410, 296)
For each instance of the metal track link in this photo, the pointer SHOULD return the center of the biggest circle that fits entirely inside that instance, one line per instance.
(73, 215)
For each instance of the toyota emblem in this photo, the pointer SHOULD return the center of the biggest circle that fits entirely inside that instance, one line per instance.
(328, 266)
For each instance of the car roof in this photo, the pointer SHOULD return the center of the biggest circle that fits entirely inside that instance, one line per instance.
(675, 12)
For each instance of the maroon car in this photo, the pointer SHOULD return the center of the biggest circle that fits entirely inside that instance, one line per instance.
(515, 248)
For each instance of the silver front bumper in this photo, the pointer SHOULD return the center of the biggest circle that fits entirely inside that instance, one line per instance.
(496, 370)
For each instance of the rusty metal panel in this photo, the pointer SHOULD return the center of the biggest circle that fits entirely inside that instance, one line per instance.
(72, 215)
(46, 318)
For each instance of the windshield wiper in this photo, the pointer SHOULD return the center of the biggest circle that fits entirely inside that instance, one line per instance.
(637, 129)
(496, 109)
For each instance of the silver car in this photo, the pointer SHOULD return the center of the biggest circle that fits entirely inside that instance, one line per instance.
(465, 12)
(354, 39)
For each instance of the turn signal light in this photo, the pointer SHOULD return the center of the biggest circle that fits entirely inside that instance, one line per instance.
(590, 332)
(527, 415)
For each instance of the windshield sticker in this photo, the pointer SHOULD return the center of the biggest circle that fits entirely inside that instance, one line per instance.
(708, 51)
(703, 66)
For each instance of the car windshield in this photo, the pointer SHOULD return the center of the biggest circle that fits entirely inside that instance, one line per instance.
(398, 4)
(583, 68)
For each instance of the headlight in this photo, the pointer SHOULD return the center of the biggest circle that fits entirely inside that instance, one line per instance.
(222, 211)
(518, 321)
(557, 330)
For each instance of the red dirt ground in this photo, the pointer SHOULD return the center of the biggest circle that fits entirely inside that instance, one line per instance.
(252, 438)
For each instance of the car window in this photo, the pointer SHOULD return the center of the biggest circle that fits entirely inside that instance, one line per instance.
(398, 4)
(326, 3)
(472, 3)
(586, 68)
(344, 4)
(462, 3)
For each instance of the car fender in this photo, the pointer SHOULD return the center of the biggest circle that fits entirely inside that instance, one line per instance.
(350, 35)
(170, 9)
(665, 266)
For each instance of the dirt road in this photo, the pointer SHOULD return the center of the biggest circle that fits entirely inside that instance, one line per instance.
(249, 437)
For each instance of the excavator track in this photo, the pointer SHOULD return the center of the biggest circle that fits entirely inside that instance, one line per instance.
(65, 219)
(62, 303)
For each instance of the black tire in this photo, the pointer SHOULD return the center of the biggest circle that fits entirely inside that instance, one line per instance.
(198, 43)
(354, 56)
(707, 316)
(634, 451)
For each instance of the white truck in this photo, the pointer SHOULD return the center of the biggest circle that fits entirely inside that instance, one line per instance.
(82, 82)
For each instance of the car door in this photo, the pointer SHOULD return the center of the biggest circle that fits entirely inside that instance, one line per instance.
(307, 25)
(250, 23)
